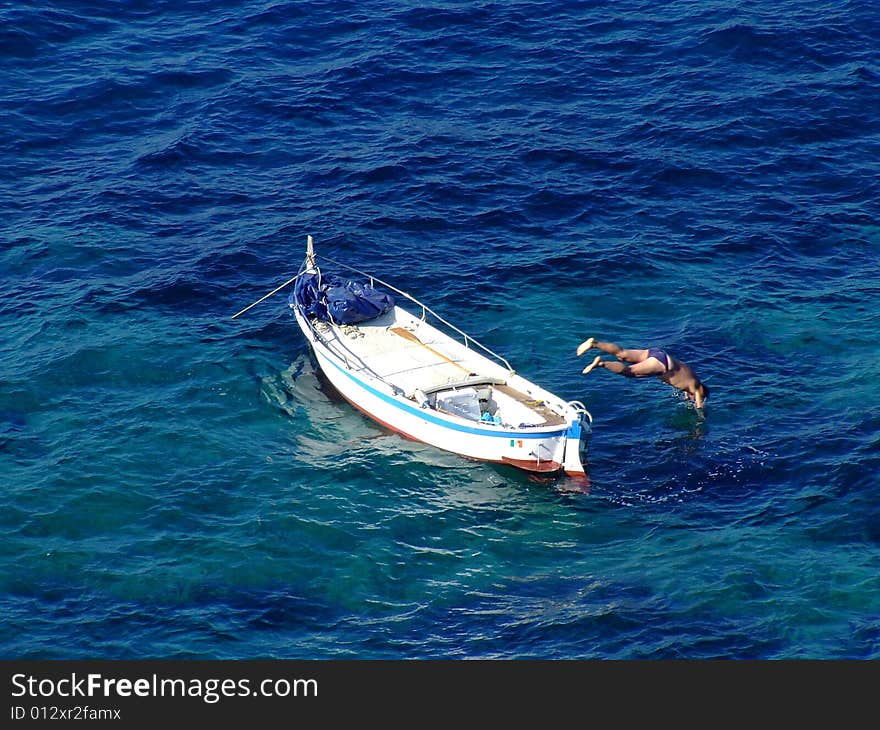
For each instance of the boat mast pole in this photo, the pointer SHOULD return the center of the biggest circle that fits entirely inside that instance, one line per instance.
(310, 253)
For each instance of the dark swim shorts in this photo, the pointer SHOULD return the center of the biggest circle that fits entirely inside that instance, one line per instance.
(660, 355)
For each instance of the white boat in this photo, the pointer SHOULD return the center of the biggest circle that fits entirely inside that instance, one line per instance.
(428, 380)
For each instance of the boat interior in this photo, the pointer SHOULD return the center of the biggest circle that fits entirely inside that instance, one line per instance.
(435, 371)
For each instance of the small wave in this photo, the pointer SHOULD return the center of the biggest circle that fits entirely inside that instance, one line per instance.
(737, 38)
(188, 79)
(191, 150)
(380, 175)
(18, 44)
(434, 19)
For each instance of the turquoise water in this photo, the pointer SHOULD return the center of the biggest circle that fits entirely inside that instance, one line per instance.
(700, 177)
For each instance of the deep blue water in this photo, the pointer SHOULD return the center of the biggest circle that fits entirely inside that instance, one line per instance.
(701, 176)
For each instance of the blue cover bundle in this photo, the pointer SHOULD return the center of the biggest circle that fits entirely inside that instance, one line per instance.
(332, 298)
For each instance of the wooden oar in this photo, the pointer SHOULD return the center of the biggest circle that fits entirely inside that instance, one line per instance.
(412, 337)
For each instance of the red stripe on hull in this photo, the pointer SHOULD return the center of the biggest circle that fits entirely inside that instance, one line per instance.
(532, 464)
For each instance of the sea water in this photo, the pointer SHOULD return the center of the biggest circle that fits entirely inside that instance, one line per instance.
(697, 176)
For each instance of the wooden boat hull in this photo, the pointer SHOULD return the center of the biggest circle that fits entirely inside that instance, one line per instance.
(355, 360)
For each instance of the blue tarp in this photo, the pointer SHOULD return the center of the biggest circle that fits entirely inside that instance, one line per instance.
(332, 298)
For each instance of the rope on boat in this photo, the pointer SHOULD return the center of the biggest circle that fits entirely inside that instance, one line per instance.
(261, 299)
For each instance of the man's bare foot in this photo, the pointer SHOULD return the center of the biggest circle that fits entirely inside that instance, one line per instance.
(592, 364)
(584, 346)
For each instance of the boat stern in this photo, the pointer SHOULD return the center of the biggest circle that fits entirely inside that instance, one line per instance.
(576, 442)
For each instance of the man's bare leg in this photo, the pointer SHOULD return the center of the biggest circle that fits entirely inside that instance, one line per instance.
(640, 369)
(620, 353)
(615, 367)
(612, 365)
